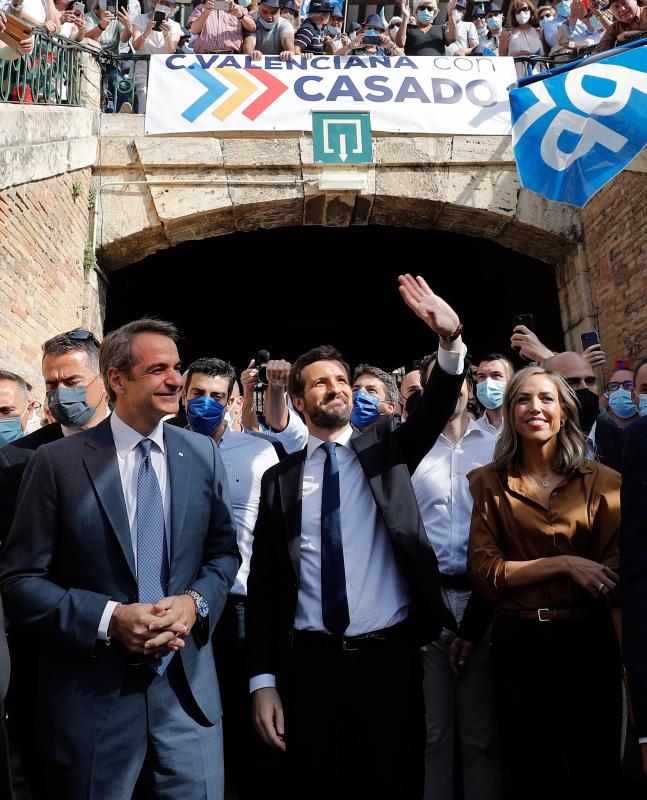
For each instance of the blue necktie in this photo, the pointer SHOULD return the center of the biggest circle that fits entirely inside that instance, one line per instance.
(334, 602)
(152, 553)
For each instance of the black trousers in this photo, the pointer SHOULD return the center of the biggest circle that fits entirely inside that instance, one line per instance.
(558, 701)
(251, 767)
(355, 723)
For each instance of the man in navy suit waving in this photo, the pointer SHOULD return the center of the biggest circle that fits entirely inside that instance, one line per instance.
(119, 560)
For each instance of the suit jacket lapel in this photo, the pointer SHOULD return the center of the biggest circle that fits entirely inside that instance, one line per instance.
(290, 488)
(366, 447)
(102, 467)
(178, 459)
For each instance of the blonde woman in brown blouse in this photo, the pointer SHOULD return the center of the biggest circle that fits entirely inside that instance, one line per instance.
(544, 548)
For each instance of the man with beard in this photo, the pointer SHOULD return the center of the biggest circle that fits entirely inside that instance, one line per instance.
(343, 586)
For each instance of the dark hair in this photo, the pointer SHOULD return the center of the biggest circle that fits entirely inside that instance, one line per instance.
(323, 353)
(388, 381)
(116, 348)
(67, 343)
(214, 368)
(640, 364)
(424, 366)
(499, 357)
(22, 384)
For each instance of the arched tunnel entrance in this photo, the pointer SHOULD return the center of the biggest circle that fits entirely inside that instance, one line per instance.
(288, 289)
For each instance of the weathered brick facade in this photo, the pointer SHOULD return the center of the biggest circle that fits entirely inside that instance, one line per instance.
(615, 231)
(43, 286)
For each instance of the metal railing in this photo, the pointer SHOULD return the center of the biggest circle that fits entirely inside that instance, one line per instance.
(49, 75)
(118, 83)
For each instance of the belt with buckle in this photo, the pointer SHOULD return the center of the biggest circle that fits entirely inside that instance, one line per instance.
(547, 614)
(348, 644)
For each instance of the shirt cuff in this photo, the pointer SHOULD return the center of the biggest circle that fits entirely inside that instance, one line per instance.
(102, 633)
(264, 681)
(452, 362)
(642, 740)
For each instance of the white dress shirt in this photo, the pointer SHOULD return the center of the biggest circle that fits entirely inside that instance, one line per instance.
(484, 424)
(129, 457)
(377, 593)
(246, 458)
(442, 491)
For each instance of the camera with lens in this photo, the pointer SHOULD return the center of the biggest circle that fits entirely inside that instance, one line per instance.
(262, 357)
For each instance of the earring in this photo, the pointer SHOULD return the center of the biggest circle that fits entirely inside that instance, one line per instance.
(562, 423)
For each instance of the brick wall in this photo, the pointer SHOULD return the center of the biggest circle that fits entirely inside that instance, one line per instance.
(43, 286)
(615, 228)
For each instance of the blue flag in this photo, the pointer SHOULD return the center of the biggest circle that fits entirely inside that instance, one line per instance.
(575, 131)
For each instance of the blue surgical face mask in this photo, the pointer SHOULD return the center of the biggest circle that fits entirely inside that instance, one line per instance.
(425, 16)
(244, 3)
(642, 407)
(10, 430)
(69, 405)
(622, 404)
(205, 415)
(490, 393)
(333, 31)
(366, 409)
(494, 23)
(544, 22)
(564, 8)
(595, 23)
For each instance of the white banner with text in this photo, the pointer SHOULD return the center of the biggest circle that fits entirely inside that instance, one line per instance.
(432, 94)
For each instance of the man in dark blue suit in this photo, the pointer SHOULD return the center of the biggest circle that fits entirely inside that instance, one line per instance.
(119, 561)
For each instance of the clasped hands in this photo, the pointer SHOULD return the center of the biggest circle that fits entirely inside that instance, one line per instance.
(154, 630)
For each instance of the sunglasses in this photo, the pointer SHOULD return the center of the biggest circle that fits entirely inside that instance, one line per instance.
(83, 336)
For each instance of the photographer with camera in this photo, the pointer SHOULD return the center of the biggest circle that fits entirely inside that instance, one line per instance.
(155, 32)
(219, 26)
(36, 12)
(372, 40)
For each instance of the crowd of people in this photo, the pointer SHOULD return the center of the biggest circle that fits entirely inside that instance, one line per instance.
(288, 28)
(370, 584)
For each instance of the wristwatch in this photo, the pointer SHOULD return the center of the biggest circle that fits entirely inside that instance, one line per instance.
(201, 605)
(453, 336)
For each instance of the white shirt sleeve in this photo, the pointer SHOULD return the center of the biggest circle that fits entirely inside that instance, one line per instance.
(102, 633)
(265, 681)
(452, 362)
(642, 740)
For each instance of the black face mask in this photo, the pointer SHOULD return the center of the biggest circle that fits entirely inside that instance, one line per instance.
(412, 402)
(589, 408)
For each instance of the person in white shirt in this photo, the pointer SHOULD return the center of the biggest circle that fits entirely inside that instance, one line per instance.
(492, 375)
(467, 37)
(207, 397)
(458, 695)
(149, 38)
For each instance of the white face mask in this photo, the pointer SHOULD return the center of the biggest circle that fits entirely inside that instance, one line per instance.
(522, 17)
(457, 14)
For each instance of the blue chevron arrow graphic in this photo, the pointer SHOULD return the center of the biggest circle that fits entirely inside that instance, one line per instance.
(215, 90)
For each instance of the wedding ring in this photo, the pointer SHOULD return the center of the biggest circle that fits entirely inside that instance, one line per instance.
(602, 586)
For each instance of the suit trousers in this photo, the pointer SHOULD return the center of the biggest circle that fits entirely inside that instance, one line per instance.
(354, 722)
(559, 706)
(251, 767)
(155, 729)
(460, 712)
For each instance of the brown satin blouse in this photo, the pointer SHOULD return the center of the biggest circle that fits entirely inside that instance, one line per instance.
(582, 518)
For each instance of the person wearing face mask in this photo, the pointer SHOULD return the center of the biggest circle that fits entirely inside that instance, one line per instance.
(409, 387)
(467, 37)
(219, 31)
(577, 31)
(426, 38)
(77, 400)
(373, 26)
(15, 408)
(480, 23)
(548, 20)
(394, 27)
(375, 396)
(492, 375)
(274, 35)
(336, 39)
(494, 22)
(604, 439)
(521, 38)
(620, 394)
(148, 40)
(208, 397)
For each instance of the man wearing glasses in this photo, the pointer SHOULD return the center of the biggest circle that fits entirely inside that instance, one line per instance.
(77, 400)
(619, 391)
(628, 19)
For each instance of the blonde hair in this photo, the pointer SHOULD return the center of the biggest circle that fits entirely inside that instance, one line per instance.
(432, 3)
(571, 442)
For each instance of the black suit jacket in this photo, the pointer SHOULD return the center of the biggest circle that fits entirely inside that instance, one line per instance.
(608, 444)
(633, 567)
(69, 551)
(14, 458)
(388, 455)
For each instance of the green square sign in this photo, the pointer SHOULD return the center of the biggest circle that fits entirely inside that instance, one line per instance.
(341, 137)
